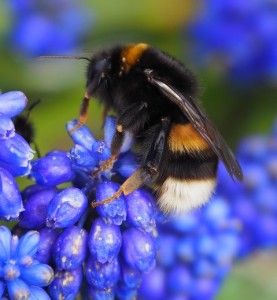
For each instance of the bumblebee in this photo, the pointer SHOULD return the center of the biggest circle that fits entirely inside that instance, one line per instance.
(154, 96)
(25, 127)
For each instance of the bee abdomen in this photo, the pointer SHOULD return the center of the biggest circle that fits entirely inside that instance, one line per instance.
(187, 175)
(182, 195)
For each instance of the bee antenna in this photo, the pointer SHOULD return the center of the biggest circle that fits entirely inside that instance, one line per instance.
(34, 104)
(62, 57)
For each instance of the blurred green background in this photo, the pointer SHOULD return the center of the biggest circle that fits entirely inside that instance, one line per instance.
(237, 111)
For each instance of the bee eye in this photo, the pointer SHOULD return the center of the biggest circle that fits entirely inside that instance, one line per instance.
(100, 64)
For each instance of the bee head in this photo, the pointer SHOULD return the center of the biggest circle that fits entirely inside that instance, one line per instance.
(98, 75)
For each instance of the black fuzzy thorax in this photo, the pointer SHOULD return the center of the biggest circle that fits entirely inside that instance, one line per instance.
(134, 87)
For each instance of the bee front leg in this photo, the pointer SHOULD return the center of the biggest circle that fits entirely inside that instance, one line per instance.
(149, 168)
(83, 114)
(132, 119)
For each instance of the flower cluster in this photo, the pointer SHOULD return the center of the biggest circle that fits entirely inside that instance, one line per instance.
(48, 27)
(242, 35)
(254, 202)
(20, 272)
(115, 242)
(15, 155)
(126, 248)
(195, 253)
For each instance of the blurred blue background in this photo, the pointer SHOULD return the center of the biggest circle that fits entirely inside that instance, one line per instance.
(231, 45)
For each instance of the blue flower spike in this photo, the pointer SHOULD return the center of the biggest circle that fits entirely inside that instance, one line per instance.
(115, 211)
(66, 208)
(10, 199)
(20, 272)
(53, 169)
(12, 103)
(69, 251)
(104, 241)
(127, 237)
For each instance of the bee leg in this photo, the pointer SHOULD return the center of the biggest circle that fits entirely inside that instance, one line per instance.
(83, 114)
(149, 168)
(131, 119)
(105, 113)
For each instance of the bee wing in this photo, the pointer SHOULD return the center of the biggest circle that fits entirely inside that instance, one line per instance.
(201, 123)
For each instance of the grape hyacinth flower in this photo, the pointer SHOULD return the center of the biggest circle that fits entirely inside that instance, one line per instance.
(124, 249)
(119, 242)
(102, 239)
(195, 253)
(15, 155)
(254, 202)
(48, 27)
(240, 35)
(22, 276)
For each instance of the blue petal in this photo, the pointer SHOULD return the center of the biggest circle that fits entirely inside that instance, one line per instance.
(31, 190)
(47, 239)
(167, 249)
(179, 279)
(115, 211)
(66, 284)
(124, 293)
(82, 136)
(16, 151)
(96, 294)
(16, 170)
(52, 169)
(104, 241)
(10, 199)
(5, 243)
(82, 157)
(140, 211)
(12, 103)
(6, 127)
(205, 288)
(34, 215)
(130, 277)
(66, 208)
(102, 276)
(28, 244)
(39, 275)
(69, 251)
(153, 285)
(205, 244)
(109, 131)
(18, 289)
(37, 293)
(101, 150)
(126, 164)
(138, 250)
